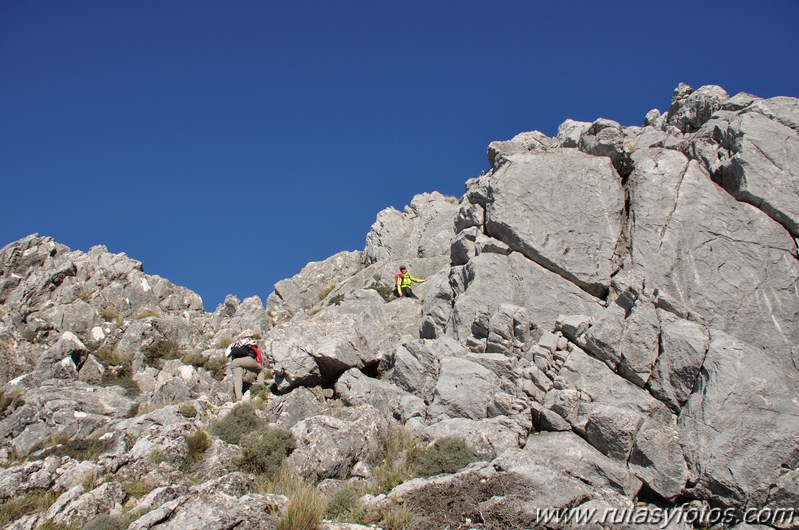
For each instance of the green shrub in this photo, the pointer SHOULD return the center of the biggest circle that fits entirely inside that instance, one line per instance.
(336, 300)
(263, 450)
(387, 292)
(195, 359)
(446, 455)
(304, 511)
(26, 504)
(240, 421)
(198, 443)
(345, 506)
(164, 350)
(216, 366)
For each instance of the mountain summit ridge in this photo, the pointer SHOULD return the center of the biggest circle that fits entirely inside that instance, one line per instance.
(609, 321)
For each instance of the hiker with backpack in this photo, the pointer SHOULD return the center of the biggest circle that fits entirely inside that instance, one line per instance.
(402, 283)
(244, 355)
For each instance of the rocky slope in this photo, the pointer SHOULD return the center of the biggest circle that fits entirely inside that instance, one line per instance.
(610, 321)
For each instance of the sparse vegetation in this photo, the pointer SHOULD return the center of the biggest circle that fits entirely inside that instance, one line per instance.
(305, 510)
(83, 294)
(138, 488)
(398, 517)
(146, 312)
(263, 450)
(25, 504)
(336, 300)
(198, 443)
(90, 481)
(224, 342)
(10, 401)
(195, 359)
(314, 310)
(187, 411)
(166, 350)
(446, 455)
(110, 522)
(240, 421)
(324, 291)
(216, 366)
(111, 314)
(387, 292)
(399, 460)
(156, 456)
(119, 370)
(345, 506)
(80, 449)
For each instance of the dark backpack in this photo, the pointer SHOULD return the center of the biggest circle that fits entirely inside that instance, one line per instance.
(237, 352)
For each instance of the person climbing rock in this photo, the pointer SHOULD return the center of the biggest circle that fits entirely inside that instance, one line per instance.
(402, 283)
(244, 355)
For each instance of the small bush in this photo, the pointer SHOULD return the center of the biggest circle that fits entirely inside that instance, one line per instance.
(304, 511)
(138, 488)
(224, 342)
(32, 502)
(198, 443)
(387, 292)
(263, 450)
(164, 350)
(398, 518)
(336, 300)
(147, 313)
(216, 366)
(157, 456)
(240, 421)
(400, 451)
(345, 506)
(83, 294)
(446, 455)
(109, 522)
(90, 481)
(187, 411)
(195, 359)
(284, 482)
(111, 314)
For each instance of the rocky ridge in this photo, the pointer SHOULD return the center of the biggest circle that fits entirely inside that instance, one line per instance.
(610, 322)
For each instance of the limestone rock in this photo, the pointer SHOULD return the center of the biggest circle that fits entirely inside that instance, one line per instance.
(578, 248)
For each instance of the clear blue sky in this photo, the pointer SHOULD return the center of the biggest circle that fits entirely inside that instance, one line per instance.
(225, 144)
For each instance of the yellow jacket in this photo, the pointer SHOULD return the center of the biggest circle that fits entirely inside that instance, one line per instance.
(404, 280)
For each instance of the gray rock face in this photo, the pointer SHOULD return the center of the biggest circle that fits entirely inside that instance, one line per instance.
(329, 447)
(763, 145)
(578, 248)
(740, 426)
(423, 230)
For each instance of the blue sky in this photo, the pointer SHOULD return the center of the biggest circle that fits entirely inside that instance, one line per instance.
(226, 144)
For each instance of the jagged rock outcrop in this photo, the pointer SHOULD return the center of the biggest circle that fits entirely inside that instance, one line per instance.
(609, 321)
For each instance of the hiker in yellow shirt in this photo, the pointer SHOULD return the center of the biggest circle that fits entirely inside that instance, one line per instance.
(402, 283)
